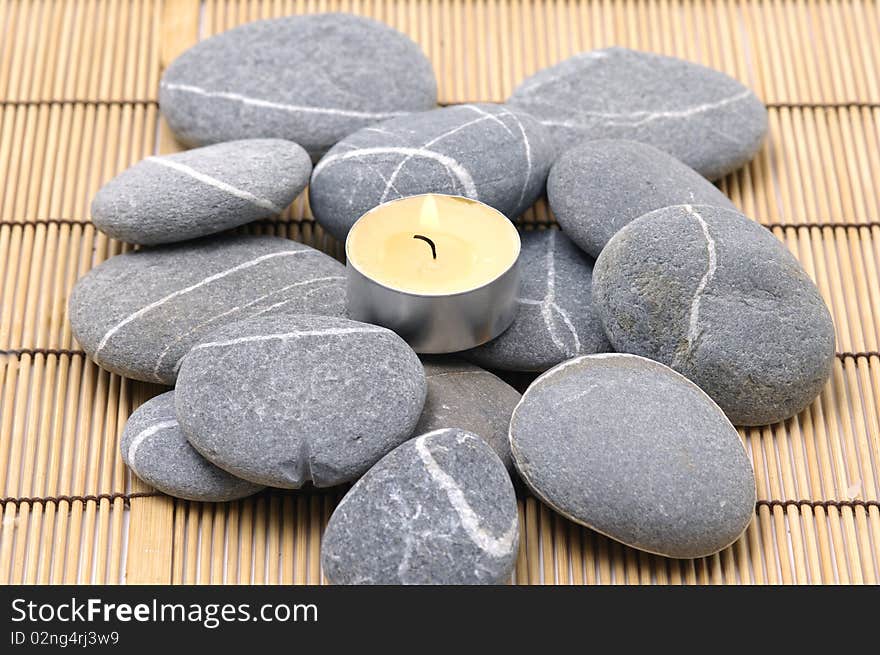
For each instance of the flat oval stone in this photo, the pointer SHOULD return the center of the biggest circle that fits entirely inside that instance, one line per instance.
(631, 449)
(556, 320)
(485, 152)
(698, 115)
(310, 79)
(597, 187)
(138, 313)
(202, 191)
(718, 298)
(464, 396)
(285, 400)
(440, 509)
(155, 449)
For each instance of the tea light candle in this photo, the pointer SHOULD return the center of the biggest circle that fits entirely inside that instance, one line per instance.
(439, 270)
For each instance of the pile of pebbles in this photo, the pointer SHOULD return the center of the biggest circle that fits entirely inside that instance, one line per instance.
(659, 316)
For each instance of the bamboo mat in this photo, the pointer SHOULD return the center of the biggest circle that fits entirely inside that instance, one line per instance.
(78, 86)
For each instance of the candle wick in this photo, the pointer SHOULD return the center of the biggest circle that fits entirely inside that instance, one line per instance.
(429, 242)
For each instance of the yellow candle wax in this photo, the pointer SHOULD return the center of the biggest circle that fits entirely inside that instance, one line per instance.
(433, 244)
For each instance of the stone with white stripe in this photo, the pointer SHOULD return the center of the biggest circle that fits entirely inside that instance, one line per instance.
(290, 400)
(440, 509)
(556, 319)
(154, 448)
(718, 298)
(461, 395)
(698, 115)
(138, 313)
(312, 79)
(202, 191)
(596, 188)
(492, 153)
(630, 448)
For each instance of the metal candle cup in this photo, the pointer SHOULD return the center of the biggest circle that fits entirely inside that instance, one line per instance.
(441, 271)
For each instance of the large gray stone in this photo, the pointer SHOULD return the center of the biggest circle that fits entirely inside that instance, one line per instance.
(718, 298)
(698, 115)
(596, 188)
(556, 319)
(485, 152)
(309, 79)
(138, 313)
(202, 191)
(155, 449)
(285, 400)
(440, 509)
(461, 395)
(632, 449)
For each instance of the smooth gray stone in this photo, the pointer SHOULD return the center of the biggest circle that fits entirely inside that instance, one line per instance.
(440, 509)
(202, 191)
(285, 400)
(464, 396)
(556, 320)
(157, 452)
(485, 152)
(718, 298)
(632, 449)
(698, 115)
(138, 313)
(310, 79)
(596, 188)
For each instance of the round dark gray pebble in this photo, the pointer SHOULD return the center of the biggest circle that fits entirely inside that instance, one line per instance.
(596, 188)
(461, 395)
(202, 191)
(440, 509)
(700, 116)
(155, 449)
(310, 79)
(718, 298)
(632, 449)
(138, 313)
(286, 400)
(485, 152)
(556, 319)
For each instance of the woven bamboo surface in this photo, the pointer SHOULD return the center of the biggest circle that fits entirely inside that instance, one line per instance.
(78, 87)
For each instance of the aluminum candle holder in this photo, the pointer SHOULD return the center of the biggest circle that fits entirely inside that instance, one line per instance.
(441, 271)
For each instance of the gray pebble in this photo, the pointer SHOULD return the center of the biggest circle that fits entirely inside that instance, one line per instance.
(155, 449)
(632, 449)
(202, 191)
(485, 152)
(310, 79)
(440, 509)
(698, 115)
(556, 319)
(596, 188)
(285, 400)
(461, 395)
(718, 298)
(138, 313)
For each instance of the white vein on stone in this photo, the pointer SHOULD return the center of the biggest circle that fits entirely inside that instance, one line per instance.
(530, 86)
(424, 148)
(528, 152)
(181, 292)
(232, 310)
(549, 305)
(450, 164)
(693, 332)
(639, 118)
(269, 104)
(492, 117)
(487, 542)
(144, 434)
(285, 336)
(217, 184)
